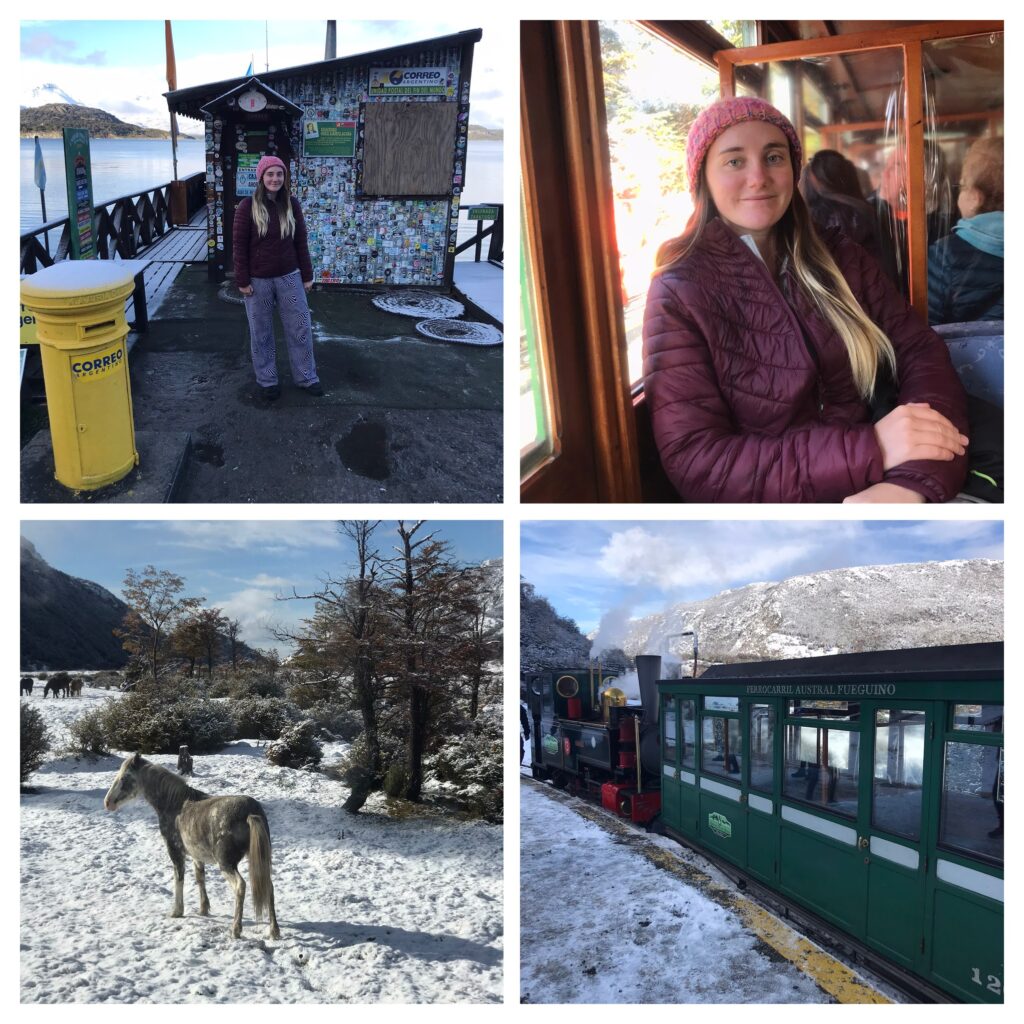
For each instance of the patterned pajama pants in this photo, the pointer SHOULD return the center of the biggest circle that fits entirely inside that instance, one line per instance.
(289, 296)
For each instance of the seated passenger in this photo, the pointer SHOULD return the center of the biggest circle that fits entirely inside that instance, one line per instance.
(763, 342)
(832, 192)
(965, 269)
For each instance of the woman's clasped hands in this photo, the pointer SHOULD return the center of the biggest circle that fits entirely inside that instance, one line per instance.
(912, 431)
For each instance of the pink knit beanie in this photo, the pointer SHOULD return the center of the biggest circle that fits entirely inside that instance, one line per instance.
(710, 123)
(267, 162)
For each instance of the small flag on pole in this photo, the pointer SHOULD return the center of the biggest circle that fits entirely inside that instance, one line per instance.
(40, 171)
(249, 72)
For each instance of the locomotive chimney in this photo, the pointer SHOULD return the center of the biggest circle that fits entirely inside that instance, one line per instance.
(648, 668)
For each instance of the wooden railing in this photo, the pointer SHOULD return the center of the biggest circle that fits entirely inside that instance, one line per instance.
(123, 226)
(495, 231)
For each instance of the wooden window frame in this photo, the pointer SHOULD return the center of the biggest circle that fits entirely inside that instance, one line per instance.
(570, 221)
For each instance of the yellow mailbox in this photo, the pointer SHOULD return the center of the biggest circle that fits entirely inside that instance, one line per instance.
(79, 311)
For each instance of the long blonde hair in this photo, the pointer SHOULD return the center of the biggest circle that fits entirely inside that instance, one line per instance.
(261, 204)
(817, 276)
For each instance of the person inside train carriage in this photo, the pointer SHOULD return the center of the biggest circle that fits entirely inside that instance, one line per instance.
(780, 364)
(831, 189)
(965, 269)
(890, 203)
(273, 269)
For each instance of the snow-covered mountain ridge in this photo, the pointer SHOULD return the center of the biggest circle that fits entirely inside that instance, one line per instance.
(863, 608)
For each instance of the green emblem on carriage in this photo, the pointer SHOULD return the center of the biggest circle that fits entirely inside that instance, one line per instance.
(720, 825)
(551, 745)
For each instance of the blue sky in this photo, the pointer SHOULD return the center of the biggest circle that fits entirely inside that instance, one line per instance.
(586, 569)
(239, 566)
(119, 65)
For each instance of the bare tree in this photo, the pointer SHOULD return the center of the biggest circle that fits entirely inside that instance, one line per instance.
(340, 639)
(425, 590)
(232, 630)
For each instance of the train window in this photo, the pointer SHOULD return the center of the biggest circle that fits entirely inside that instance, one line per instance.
(688, 714)
(971, 821)
(821, 767)
(567, 686)
(722, 748)
(898, 772)
(669, 734)
(835, 710)
(652, 92)
(721, 703)
(978, 717)
(963, 102)
(762, 747)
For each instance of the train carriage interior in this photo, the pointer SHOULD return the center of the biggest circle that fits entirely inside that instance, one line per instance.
(603, 184)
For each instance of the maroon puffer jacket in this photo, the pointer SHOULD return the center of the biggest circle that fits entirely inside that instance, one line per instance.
(753, 400)
(272, 255)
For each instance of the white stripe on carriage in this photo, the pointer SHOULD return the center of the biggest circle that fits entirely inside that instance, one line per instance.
(968, 878)
(687, 777)
(893, 851)
(843, 833)
(760, 803)
(669, 771)
(716, 787)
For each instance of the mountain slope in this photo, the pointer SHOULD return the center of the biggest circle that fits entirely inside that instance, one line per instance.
(863, 608)
(66, 623)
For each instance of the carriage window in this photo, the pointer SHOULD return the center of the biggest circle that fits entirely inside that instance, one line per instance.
(971, 821)
(963, 102)
(688, 711)
(762, 746)
(721, 703)
(722, 749)
(898, 772)
(836, 710)
(669, 736)
(978, 717)
(652, 93)
(821, 768)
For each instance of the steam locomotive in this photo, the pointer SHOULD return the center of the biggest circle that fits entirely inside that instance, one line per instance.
(588, 737)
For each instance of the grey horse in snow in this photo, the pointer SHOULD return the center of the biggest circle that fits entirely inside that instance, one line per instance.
(221, 830)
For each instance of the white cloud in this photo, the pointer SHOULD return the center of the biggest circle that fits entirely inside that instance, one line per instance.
(263, 536)
(712, 555)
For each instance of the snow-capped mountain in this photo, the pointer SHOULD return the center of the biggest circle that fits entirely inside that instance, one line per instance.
(864, 608)
(40, 95)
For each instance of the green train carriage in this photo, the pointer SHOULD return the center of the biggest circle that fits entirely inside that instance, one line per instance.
(867, 788)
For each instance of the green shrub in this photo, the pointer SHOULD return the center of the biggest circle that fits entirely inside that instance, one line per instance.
(34, 740)
(157, 719)
(88, 735)
(297, 747)
(255, 683)
(471, 765)
(336, 719)
(262, 717)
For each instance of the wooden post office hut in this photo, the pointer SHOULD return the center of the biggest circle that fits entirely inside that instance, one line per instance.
(376, 149)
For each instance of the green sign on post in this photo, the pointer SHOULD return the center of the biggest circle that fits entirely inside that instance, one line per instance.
(329, 138)
(483, 213)
(78, 171)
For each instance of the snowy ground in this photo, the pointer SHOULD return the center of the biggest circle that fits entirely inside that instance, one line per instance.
(372, 909)
(639, 934)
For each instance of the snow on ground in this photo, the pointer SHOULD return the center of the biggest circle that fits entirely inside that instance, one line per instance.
(371, 909)
(601, 924)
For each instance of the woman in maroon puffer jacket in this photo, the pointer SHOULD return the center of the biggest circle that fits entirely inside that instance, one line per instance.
(766, 347)
(273, 270)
